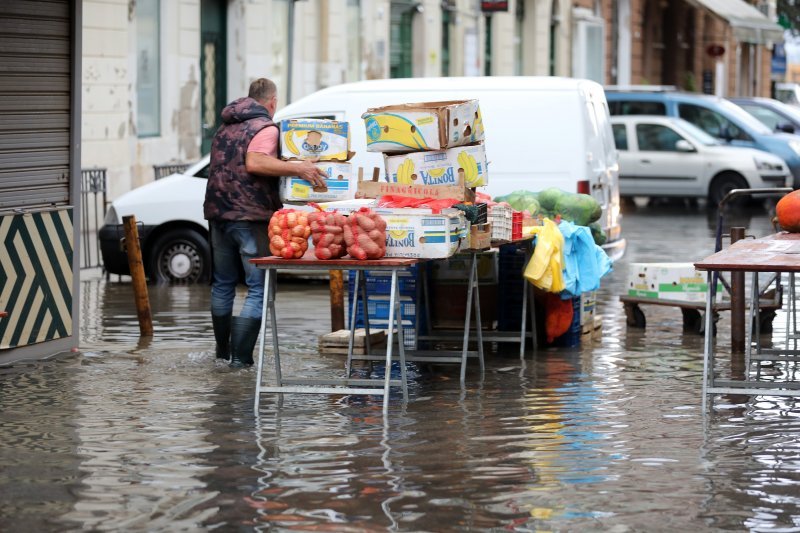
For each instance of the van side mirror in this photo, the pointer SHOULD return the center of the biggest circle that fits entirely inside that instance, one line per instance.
(786, 128)
(684, 146)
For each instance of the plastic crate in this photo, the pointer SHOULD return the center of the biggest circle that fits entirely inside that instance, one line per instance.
(378, 308)
(409, 331)
(510, 267)
(379, 282)
(516, 225)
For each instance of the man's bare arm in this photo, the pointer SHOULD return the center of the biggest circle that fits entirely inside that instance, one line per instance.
(264, 165)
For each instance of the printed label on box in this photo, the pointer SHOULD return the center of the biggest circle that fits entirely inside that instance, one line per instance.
(463, 164)
(315, 138)
(339, 185)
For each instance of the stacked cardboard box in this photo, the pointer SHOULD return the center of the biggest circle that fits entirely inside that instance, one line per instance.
(326, 140)
(431, 150)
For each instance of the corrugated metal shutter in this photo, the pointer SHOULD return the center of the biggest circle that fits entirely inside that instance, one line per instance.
(34, 103)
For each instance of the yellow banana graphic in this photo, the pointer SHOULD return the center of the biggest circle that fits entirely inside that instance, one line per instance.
(288, 140)
(405, 172)
(388, 128)
(469, 165)
(437, 172)
(477, 129)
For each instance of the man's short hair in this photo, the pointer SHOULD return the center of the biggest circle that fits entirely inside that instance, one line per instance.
(262, 90)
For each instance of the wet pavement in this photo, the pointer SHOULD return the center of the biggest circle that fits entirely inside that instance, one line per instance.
(156, 436)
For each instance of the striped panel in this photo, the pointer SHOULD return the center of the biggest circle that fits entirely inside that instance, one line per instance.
(36, 277)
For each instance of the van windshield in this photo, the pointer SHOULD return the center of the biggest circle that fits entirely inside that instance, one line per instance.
(743, 117)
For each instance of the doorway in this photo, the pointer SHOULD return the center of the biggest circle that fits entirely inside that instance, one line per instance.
(213, 67)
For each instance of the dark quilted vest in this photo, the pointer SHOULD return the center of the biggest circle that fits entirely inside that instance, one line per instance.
(232, 193)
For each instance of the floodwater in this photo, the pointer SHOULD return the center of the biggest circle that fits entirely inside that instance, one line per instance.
(155, 436)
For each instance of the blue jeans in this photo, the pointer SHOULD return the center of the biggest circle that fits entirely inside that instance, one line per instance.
(234, 244)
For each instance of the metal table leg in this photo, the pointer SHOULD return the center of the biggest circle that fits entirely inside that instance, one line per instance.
(708, 344)
(465, 346)
(477, 301)
(351, 339)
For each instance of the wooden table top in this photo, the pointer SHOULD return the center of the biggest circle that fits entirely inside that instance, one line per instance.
(310, 261)
(779, 252)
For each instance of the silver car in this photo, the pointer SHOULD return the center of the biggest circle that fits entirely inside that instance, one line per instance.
(666, 156)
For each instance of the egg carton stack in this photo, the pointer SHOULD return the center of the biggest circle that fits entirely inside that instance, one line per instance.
(501, 217)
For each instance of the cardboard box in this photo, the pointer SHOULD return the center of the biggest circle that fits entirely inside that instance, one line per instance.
(463, 164)
(479, 237)
(329, 140)
(375, 189)
(419, 233)
(423, 126)
(339, 185)
(669, 281)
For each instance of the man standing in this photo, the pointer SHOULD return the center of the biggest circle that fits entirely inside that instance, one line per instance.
(241, 196)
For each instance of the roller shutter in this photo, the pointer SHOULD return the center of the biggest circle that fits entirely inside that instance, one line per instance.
(35, 55)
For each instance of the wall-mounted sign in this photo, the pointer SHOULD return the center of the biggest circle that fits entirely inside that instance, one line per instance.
(494, 6)
(715, 50)
(778, 59)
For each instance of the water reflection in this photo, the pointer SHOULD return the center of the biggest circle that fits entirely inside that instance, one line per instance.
(155, 435)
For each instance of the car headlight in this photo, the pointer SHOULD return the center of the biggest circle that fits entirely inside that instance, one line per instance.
(111, 217)
(766, 165)
(795, 146)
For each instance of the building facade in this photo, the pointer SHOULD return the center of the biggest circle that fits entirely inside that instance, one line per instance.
(156, 72)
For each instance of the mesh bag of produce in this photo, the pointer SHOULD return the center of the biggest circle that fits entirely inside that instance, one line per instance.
(365, 235)
(288, 234)
(327, 234)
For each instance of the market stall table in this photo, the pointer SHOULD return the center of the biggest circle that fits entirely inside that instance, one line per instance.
(526, 306)
(778, 253)
(348, 385)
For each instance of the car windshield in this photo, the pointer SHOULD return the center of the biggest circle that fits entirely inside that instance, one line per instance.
(792, 111)
(697, 134)
(739, 114)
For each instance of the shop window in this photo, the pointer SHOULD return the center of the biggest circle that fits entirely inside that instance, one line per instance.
(354, 37)
(148, 68)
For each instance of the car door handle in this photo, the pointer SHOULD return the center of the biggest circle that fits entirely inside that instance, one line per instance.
(646, 161)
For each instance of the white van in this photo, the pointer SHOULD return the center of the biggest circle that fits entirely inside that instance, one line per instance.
(540, 132)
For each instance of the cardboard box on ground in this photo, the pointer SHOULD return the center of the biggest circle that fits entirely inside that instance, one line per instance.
(669, 281)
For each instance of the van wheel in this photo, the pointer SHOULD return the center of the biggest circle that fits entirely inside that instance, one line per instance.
(180, 256)
(724, 183)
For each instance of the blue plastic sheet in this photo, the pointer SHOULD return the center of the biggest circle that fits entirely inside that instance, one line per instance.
(584, 262)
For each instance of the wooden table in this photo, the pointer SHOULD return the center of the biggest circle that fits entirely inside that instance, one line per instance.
(778, 253)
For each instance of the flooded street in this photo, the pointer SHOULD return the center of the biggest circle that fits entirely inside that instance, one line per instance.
(156, 436)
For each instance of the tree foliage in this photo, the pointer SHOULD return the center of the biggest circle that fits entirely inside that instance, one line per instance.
(789, 15)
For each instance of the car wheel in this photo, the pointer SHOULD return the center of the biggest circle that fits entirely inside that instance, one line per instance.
(722, 185)
(180, 256)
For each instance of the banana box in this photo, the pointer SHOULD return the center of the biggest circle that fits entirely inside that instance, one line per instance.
(328, 140)
(421, 234)
(423, 126)
(339, 185)
(669, 281)
(462, 164)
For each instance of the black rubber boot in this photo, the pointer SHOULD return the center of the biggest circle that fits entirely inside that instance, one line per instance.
(222, 334)
(244, 334)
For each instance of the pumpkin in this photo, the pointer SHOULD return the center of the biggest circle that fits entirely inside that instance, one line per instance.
(788, 212)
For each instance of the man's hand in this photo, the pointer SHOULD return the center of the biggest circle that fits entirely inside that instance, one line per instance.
(309, 172)
(265, 165)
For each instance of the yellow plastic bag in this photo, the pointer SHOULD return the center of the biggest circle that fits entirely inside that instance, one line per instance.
(545, 269)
